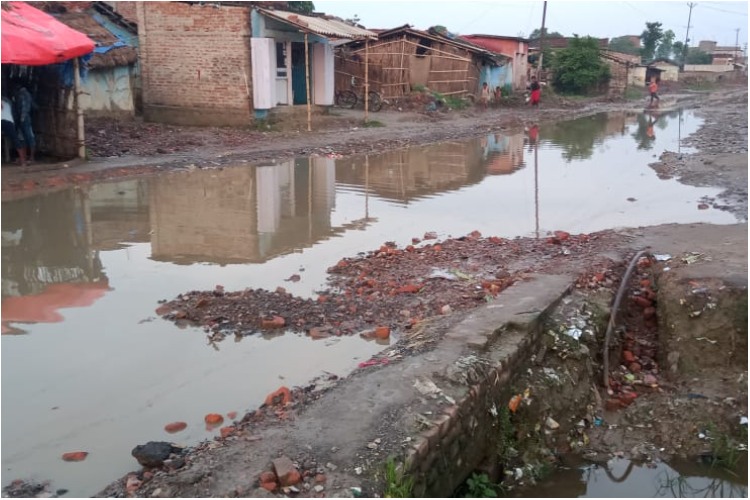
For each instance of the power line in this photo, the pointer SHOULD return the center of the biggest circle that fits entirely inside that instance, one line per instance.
(724, 10)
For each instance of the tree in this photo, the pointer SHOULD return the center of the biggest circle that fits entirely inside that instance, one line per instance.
(301, 7)
(696, 56)
(625, 45)
(650, 39)
(678, 48)
(666, 45)
(578, 69)
(537, 34)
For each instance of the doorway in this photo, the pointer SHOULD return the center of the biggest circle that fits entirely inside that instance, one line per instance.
(299, 90)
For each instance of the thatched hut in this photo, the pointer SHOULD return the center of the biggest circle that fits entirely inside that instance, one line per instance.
(403, 58)
(111, 86)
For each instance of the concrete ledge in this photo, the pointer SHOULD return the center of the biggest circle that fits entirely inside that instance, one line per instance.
(198, 117)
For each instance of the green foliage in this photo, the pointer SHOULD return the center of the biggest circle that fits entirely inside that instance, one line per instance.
(480, 486)
(725, 450)
(418, 88)
(624, 45)
(397, 484)
(451, 101)
(632, 94)
(373, 124)
(301, 7)
(578, 68)
(678, 49)
(549, 56)
(696, 56)
(537, 34)
(666, 45)
(650, 38)
(507, 443)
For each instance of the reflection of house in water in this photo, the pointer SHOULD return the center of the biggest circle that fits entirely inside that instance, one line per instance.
(409, 174)
(241, 214)
(503, 154)
(47, 258)
(119, 213)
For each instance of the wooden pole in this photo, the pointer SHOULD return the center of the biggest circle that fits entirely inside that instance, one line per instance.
(541, 43)
(307, 84)
(80, 135)
(367, 76)
(403, 74)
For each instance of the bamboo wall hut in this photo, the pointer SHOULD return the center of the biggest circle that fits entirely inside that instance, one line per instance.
(403, 58)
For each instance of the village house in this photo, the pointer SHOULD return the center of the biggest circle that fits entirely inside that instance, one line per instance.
(669, 71)
(110, 85)
(229, 63)
(45, 56)
(516, 48)
(403, 58)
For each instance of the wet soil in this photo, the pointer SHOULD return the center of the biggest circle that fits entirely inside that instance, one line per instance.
(126, 149)
(393, 288)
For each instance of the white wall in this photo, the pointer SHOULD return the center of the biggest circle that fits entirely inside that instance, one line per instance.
(108, 89)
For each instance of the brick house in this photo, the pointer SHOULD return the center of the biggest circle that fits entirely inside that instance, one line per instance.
(516, 48)
(221, 63)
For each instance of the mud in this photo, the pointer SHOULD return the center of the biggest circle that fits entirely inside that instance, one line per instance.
(148, 149)
(392, 290)
(662, 420)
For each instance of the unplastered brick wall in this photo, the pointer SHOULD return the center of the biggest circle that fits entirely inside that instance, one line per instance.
(195, 62)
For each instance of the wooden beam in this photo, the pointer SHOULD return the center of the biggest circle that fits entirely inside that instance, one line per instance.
(307, 84)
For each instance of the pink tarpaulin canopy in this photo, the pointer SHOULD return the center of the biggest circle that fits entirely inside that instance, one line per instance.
(34, 38)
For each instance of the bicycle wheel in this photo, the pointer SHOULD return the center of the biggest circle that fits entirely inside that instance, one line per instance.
(346, 99)
(375, 101)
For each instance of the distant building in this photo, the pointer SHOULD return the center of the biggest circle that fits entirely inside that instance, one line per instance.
(722, 55)
(516, 48)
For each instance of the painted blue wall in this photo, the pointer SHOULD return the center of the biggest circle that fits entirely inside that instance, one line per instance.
(496, 76)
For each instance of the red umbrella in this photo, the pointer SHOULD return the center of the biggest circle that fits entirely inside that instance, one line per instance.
(34, 38)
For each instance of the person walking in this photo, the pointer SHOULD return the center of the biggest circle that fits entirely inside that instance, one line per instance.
(653, 89)
(9, 130)
(484, 96)
(24, 104)
(536, 91)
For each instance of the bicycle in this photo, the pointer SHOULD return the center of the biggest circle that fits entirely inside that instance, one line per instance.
(349, 98)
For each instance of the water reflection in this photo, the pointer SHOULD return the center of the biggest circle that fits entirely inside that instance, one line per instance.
(623, 478)
(48, 259)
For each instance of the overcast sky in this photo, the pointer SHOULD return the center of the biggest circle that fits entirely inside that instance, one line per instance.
(710, 20)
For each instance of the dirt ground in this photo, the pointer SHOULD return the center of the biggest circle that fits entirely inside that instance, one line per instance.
(392, 289)
(126, 149)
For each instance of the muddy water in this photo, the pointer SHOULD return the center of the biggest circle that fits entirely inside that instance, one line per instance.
(624, 479)
(87, 366)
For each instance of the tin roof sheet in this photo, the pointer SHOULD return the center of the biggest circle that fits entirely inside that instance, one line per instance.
(327, 27)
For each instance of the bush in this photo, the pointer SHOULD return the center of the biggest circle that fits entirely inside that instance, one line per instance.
(578, 68)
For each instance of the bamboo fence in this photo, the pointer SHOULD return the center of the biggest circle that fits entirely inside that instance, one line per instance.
(452, 70)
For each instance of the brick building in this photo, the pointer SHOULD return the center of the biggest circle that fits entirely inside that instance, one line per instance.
(228, 63)
(195, 63)
(516, 48)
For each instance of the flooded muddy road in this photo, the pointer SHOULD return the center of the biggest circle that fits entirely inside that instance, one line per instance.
(88, 365)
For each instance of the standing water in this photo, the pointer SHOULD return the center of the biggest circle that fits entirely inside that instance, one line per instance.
(86, 363)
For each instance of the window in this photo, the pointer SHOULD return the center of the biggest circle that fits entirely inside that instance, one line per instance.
(280, 60)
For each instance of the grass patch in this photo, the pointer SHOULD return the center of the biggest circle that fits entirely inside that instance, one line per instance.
(507, 442)
(700, 86)
(373, 124)
(418, 88)
(397, 484)
(632, 94)
(725, 450)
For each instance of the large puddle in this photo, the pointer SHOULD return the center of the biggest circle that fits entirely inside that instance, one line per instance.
(621, 478)
(87, 366)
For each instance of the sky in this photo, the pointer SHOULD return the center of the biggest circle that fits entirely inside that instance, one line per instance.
(717, 21)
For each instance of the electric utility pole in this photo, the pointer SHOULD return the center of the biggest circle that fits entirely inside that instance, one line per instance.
(541, 42)
(736, 44)
(687, 32)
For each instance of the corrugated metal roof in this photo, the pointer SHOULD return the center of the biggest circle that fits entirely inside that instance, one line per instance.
(319, 25)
